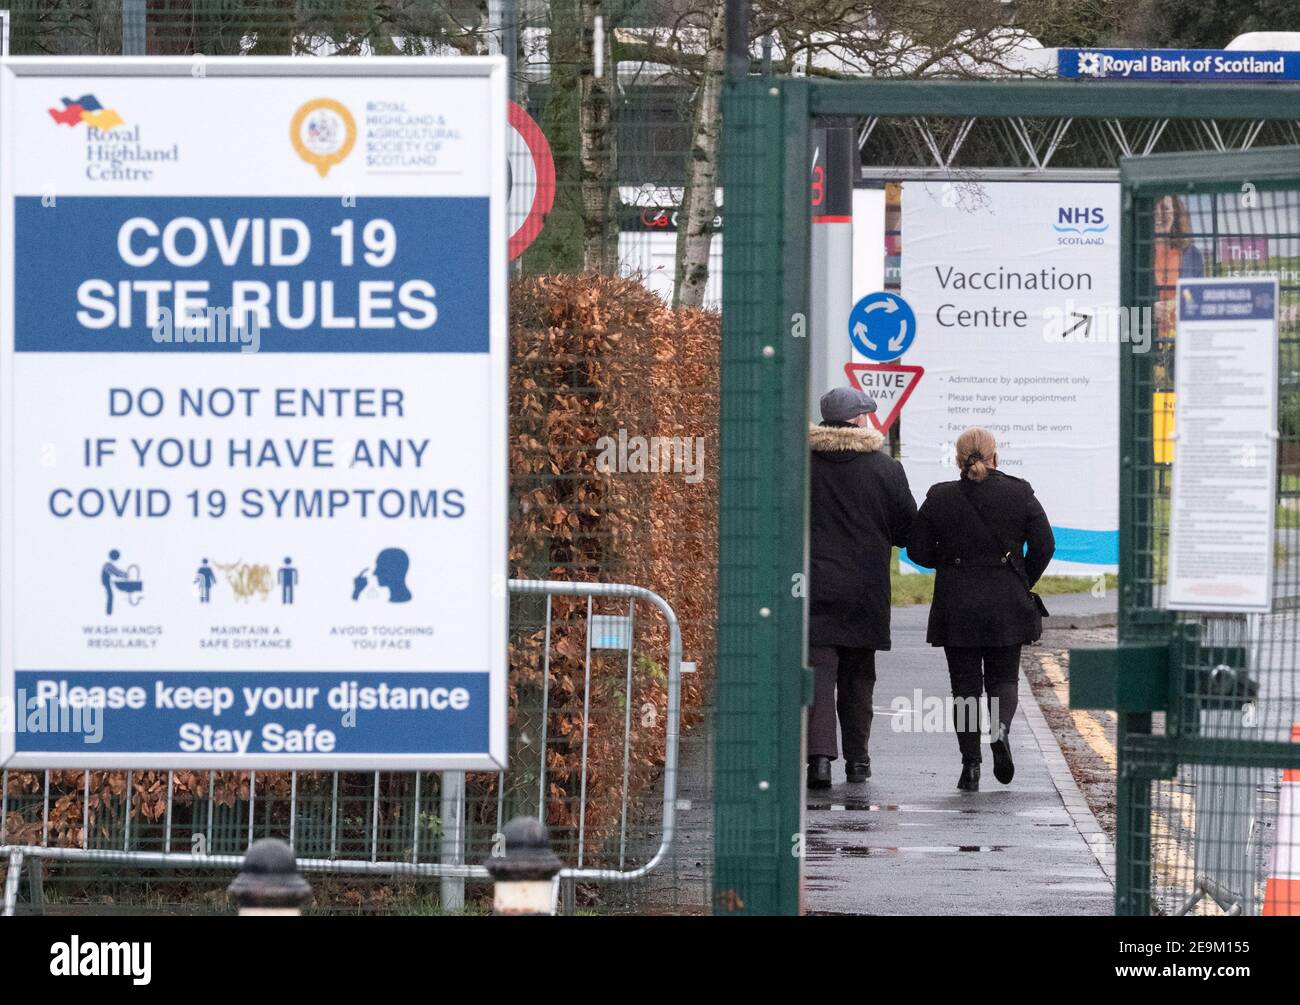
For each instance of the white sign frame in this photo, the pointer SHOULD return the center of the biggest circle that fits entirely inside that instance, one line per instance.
(1180, 590)
(494, 414)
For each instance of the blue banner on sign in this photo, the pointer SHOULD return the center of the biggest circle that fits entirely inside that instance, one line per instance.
(254, 712)
(385, 275)
(1073, 544)
(882, 326)
(1177, 64)
(1227, 300)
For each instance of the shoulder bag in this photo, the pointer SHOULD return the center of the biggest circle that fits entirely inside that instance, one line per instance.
(1009, 556)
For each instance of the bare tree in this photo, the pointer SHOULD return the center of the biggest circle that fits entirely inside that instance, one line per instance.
(600, 201)
(683, 43)
(848, 39)
(699, 206)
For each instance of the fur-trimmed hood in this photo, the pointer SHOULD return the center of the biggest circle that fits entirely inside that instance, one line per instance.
(853, 439)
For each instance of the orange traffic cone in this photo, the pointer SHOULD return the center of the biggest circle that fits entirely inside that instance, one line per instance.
(1282, 893)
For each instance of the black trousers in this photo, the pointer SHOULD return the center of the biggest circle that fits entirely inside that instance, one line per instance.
(992, 670)
(845, 683)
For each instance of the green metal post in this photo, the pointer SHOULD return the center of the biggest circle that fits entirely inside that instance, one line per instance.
(763, 519)
(1132, 824)
(1136, 574)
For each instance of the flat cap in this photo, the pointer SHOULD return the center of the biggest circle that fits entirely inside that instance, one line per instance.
(840, 404)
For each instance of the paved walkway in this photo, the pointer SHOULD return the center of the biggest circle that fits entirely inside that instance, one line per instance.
(1081, 610)
(907, 842)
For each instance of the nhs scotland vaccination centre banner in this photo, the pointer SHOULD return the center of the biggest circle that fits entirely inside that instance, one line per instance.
(253, 357)
(1015, 287)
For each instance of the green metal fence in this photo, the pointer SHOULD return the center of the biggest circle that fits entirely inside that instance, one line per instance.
(938, 129)
(1206, 733)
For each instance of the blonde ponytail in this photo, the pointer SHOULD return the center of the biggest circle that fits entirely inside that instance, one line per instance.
(976, 450)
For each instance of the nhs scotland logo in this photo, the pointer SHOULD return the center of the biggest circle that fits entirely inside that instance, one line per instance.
(1080, 225)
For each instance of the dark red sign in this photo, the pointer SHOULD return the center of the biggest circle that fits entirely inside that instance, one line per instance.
(530, 207)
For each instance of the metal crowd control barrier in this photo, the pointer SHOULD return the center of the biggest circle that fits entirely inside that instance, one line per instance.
(453, 867)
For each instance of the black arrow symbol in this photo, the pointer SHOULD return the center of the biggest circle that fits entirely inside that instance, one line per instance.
(1084, 322)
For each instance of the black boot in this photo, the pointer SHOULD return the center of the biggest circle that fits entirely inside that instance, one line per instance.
(970, 778)
(858, 771)
(819, 772)
(1003, 768)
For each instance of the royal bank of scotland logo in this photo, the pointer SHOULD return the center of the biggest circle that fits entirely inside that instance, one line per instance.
(89, 110)
(1090, 64)
(323, 133)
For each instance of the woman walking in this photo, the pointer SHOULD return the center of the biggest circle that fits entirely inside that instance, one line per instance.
(973, 532)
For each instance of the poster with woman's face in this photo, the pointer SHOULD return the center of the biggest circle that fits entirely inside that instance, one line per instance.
(1180, 251)
(1245, 234)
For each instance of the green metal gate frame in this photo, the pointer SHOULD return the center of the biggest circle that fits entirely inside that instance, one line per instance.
(1149, 670)
(763, 682)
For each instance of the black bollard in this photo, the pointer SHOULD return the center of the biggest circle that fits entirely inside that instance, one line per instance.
(525, 874)
(269, 882)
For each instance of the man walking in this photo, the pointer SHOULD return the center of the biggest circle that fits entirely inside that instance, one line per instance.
(861, 506)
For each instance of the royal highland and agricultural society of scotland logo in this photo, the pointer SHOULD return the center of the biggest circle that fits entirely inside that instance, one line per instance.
(87, 109)
(323, 133)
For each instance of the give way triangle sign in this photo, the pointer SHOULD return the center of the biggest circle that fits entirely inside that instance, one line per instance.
(891, 384)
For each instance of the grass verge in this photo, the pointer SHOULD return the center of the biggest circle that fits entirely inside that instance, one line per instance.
(908, 588)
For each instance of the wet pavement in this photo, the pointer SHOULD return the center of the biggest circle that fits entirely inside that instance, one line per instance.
(1081, 610)
(907, 842)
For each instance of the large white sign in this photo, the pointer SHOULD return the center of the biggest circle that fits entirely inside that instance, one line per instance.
(252, 449)
(1015, 289)
(1225, 456)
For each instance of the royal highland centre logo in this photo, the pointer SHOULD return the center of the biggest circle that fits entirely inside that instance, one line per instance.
(323, 133)
(87, 109)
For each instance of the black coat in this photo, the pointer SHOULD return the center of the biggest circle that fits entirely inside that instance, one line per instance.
(978, 600)
(860, 507)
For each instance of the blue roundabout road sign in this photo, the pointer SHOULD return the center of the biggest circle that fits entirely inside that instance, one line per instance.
(882, 326)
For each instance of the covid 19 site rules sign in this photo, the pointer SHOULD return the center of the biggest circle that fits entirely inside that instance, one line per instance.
(253, 372)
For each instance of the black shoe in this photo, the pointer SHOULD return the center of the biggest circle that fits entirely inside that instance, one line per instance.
(970, 778)
(1003, 768)
(858, 771)
(819, 772)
